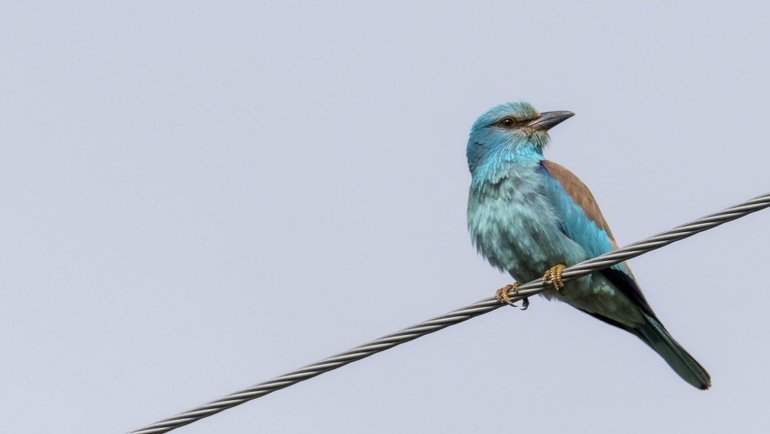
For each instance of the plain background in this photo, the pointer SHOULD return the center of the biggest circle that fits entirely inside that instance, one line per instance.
(199, 196)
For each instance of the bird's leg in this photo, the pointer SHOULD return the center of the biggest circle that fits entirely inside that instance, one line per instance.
(503, 297)
(553, 277)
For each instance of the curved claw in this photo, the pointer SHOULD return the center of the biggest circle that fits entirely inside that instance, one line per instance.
(553, 277)
(502, 295)
(525, 304)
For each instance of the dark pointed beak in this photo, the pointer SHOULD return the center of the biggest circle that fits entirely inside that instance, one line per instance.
(548, 120)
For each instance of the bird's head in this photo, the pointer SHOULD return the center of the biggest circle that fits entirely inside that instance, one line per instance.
(513, 132)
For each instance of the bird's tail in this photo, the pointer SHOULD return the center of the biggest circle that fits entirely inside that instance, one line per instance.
(655, 335)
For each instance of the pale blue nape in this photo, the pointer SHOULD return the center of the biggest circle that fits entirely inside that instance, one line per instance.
(490, 148)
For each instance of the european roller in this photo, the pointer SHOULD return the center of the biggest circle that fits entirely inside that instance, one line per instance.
(531, 217)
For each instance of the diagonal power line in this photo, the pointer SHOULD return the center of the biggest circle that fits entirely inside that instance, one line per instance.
(456, 316)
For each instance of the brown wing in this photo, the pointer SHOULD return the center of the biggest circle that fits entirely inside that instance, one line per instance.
(580, 194)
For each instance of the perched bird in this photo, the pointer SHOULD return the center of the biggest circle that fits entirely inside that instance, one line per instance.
(531, 217)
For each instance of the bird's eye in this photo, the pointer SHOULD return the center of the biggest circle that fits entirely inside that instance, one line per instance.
(507, 122)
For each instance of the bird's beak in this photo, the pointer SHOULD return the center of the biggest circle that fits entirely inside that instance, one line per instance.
(548, 120)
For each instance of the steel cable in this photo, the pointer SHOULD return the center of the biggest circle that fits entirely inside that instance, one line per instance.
(456, 316)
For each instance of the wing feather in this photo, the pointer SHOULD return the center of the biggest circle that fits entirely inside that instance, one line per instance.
(583, 222)
(580, 195)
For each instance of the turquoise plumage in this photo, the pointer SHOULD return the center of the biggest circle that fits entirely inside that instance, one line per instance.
(527, 214)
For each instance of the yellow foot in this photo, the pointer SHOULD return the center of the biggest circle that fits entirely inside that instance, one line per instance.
(503, 296)
(553, 277)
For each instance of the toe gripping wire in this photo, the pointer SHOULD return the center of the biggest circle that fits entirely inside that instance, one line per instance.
(521, 292)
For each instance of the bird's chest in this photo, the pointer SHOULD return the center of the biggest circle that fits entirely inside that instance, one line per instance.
(513, 225)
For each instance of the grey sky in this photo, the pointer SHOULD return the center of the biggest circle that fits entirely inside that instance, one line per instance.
(198, 196)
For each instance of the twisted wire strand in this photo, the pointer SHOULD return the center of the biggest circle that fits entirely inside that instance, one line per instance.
(456, 316)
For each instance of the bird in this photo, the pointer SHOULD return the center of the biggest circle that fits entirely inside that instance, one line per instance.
(531, 217)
